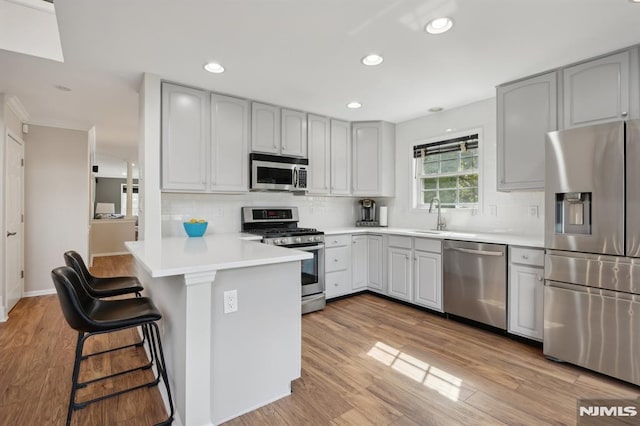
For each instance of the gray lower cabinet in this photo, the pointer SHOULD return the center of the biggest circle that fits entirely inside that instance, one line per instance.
(527, 110)
(427, 273)
(337, 265)
(366, 261)
(526, 292)
(399, 266)
(375, 279)
(359, 262)
(600, 90)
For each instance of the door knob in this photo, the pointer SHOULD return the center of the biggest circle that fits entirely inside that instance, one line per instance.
(11, 234)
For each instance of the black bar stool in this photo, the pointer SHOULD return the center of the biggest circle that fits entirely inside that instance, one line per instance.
(100, 287)
(90, 316)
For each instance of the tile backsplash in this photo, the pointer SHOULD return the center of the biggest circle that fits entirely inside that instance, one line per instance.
(222, 211)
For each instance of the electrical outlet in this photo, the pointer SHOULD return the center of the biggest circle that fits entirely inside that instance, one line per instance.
(533, 211)
(230, 301)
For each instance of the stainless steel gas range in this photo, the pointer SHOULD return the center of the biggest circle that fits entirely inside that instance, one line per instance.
(279, 226)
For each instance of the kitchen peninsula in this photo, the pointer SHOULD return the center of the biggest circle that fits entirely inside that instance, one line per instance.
(222, 364)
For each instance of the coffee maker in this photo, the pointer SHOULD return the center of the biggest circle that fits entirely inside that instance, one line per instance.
(367, 213)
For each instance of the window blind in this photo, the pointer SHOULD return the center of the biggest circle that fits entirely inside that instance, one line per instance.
(462, 143)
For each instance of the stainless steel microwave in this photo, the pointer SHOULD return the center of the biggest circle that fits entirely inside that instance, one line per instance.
(278, 173)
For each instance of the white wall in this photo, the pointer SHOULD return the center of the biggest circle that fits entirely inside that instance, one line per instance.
(222, 211)
(56, 201)
(511, 209)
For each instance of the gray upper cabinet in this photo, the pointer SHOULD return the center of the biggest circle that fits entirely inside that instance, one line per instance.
(294, 133)
(319, 155)
(373, 148)
(185, 138)
(526, 112)
(205, 141)
(598, 91)
(229, 144)
(265, 128)
(340, 157)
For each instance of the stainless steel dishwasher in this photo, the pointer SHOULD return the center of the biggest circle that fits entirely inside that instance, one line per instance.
(475, 281)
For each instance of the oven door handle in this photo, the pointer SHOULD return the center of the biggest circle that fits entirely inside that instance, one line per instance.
(308, 248)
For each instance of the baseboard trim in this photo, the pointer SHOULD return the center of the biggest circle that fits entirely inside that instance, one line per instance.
(39, 293)
(3, 315)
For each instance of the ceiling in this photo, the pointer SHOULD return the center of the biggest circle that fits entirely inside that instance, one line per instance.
(303, 54)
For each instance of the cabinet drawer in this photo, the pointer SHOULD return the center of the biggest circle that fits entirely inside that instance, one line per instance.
(337, 284)
(337, 259)
(526, 256)
(402, 242)
(337, 240)
(428, 244)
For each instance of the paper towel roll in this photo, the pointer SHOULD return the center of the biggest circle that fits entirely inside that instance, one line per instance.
(383, 216)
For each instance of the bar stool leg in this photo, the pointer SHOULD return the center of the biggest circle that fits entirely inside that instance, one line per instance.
(74, 377)
(162, 370)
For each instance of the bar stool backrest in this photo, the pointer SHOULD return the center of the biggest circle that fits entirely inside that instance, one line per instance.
(74, 299)
(74, 261)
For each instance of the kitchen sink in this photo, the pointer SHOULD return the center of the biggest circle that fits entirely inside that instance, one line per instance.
(429, 231)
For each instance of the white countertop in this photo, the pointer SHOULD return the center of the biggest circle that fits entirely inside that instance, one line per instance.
(483, 237)
(184, 255)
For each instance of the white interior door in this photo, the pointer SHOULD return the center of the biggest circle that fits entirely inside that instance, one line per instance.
(14, 239)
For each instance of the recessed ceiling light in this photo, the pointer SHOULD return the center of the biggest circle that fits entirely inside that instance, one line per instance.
(62, 88)
(435, 109)
(124, 173)
(634, 1)
(448, 130)
(372, 60)
(439, 25)
(354, 105)
(214, 67)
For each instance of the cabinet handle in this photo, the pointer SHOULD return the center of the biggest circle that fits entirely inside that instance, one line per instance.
(624, 113)
(11, 234)
(335, 284)
(335, 260)
(539, 278)
(524, 256)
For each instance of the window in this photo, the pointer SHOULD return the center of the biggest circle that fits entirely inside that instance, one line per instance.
(447, 170)
(134, 200)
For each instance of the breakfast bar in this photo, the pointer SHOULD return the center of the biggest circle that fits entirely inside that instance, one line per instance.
(224, 362)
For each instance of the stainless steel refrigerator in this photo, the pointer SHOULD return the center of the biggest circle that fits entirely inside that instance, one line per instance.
(592, 237)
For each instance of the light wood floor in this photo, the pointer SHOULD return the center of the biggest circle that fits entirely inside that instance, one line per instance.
(366, 360)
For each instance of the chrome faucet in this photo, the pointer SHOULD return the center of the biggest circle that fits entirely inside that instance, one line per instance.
(441, 223)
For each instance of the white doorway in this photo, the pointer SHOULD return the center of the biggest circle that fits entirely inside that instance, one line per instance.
(14, 208)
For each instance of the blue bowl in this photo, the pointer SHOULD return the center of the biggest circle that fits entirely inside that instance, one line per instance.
(195, 229)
